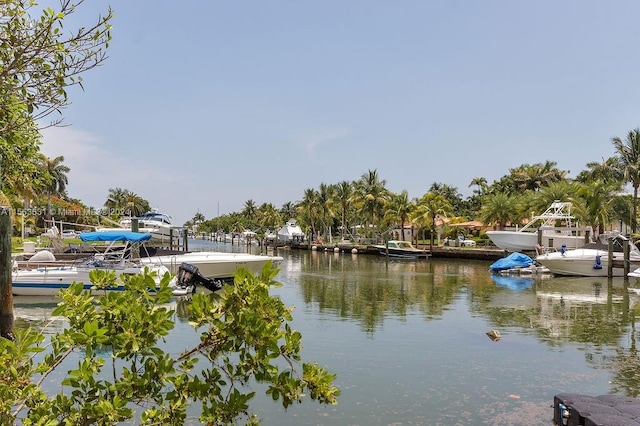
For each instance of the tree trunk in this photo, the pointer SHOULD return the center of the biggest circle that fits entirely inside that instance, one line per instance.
(6, 288)
(634, 218)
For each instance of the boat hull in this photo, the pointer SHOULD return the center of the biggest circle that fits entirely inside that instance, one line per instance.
(49, 281)
(217, 265)
(515, 241)
(403, 253)
(580, 262)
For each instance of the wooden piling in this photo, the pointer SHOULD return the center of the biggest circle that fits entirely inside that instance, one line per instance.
(610, 262)
(6, 285)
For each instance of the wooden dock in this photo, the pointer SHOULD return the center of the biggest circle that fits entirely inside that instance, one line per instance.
(472, 253)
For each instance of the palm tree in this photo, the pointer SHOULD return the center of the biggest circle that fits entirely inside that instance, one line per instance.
(57, 177)
(344, 193)
(398, 210)
(309, 209)
(250, 210)
(371, 195)
(429, 207)
(288, 210)
(500, 209)
(628, 153)
(481, 183)
(608, 171)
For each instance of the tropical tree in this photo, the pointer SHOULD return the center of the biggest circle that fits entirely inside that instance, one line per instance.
(124, 375)
(268, 216)
(628, 154)
(600, 201)
(288, 210)
(371, 196)
(56, 173)
(20, 156)
(399, 209)
(124, 202)
(500, 209)
(533, 177)
(38, 60)
(309, 209)
(250, 211)
(344, 194)
(481, 183)
(429, 207)
(608, 170)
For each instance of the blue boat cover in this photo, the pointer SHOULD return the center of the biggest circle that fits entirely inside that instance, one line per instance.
(514, 260)
(129, 236)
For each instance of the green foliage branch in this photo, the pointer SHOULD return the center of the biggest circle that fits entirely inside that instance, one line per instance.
(122, 373)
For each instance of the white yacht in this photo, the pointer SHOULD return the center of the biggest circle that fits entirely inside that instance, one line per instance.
(526, 238)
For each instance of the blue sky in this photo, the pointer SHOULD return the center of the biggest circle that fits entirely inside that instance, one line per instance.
(203, 105)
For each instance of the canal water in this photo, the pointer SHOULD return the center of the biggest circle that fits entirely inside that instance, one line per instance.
(408, 339)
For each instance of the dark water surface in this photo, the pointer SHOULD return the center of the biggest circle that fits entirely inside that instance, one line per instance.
(408, 340)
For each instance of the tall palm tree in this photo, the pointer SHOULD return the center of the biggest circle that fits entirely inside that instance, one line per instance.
(628, 153)
(344, 194)
(429, 207)
(250, 210)
(372, 195)
(481, 183)
(399, 209)
(57, 177)
(309, 209)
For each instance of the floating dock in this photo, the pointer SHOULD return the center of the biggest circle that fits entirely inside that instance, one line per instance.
(574, 409)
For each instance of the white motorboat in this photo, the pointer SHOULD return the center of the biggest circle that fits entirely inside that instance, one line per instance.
(591, 260)
(212, 264)
(526, 238)
(402, 249)
(49, 280)
(159, 225)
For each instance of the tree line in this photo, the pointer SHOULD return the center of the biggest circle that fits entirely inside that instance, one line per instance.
(597, 194)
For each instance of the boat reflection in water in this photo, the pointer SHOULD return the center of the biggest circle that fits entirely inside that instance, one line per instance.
(512, 282)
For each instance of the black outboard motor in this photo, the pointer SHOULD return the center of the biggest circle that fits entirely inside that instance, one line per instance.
(189, 275)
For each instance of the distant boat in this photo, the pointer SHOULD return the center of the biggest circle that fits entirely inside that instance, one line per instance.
(158, 224)
(526, 238)
(401, 249)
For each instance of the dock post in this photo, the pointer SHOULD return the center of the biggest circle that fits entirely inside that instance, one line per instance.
(6, 284)
(540, 236)
(610, 262)
(627, 259)
(185, 243)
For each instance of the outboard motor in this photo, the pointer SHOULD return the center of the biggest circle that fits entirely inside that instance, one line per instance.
(189, 275)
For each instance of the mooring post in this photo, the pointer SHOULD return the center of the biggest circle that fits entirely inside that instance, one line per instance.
(610, 262)
(6, 286)
(627, 259)
(185, 242)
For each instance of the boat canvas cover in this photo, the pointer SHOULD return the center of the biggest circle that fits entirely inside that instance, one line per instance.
(514, 260)
(129, 236)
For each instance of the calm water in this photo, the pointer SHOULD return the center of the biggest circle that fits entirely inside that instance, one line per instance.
(408, 340)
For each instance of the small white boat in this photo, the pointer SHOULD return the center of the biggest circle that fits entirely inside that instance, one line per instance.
(402, 249)
(49, 280)
(591, 260)
(526, 238)
(212, 264)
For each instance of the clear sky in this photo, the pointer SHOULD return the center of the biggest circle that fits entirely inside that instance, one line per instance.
(203, 105)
